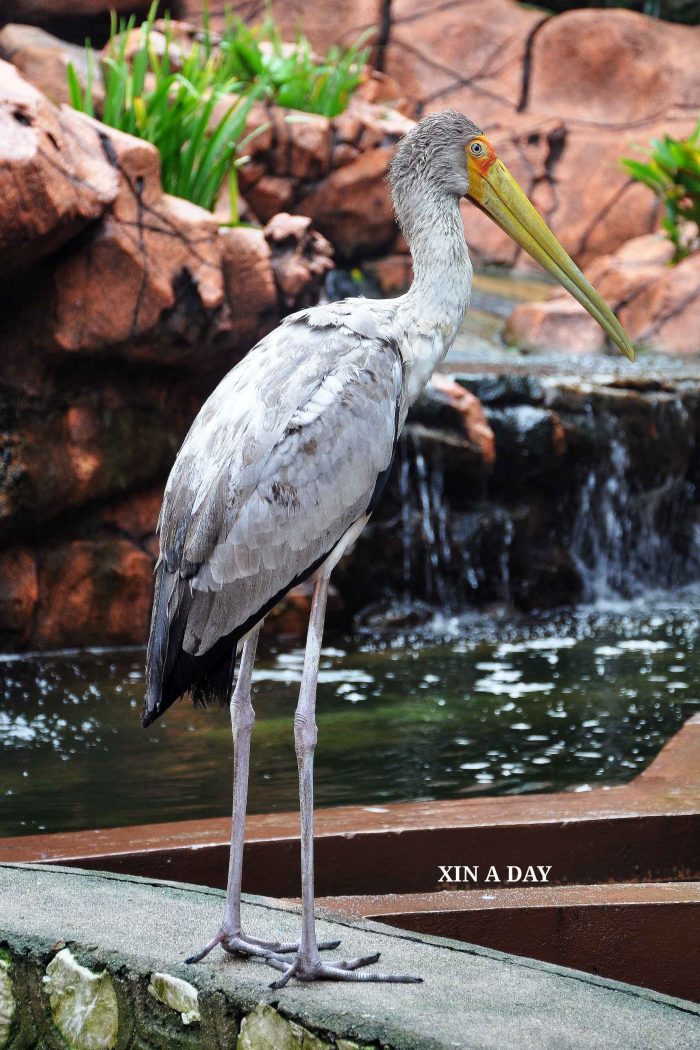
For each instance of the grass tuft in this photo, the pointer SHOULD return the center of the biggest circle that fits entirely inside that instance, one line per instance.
(194, 110)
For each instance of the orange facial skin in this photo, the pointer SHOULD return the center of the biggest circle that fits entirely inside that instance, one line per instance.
(478, 165)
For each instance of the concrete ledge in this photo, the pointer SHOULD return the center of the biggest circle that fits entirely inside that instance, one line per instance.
(135, 928)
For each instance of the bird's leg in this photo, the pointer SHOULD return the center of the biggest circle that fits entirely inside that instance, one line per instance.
(307, 964)
(230, 936)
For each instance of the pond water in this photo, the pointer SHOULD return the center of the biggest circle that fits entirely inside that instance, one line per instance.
(470, 706)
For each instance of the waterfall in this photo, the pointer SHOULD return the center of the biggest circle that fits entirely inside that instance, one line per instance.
(625, 538)
(443, 556)
(426, 543)
(621, 516)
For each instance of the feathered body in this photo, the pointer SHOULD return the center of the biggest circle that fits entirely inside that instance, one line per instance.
(286, 459)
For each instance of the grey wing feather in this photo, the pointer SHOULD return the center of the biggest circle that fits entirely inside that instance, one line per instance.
(283, 458)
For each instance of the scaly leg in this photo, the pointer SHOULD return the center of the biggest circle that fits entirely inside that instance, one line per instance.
(230, 936)
(307, 964)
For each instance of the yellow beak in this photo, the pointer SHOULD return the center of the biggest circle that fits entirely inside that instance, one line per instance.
(495, 190)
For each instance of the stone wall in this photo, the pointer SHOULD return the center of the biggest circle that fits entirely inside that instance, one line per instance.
(120, 308)
(93, 961)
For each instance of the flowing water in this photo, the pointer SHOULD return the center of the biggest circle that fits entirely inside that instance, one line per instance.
(473, 705)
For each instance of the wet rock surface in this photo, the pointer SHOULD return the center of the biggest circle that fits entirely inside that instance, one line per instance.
(591, 493)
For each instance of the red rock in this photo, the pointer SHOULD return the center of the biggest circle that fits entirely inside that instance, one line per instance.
(613, 67)
(597, 207)
(305, 154)
(150, 257)
(666, 315)
(76, 442)
(476, 426)
(558, 324)
(347, 126)
(53, 182)
(377, 125)
(352, 207)
(182, 36)
(43, 60)
(325, 22)
(658, 304)
(222, 211)
(269, 195)
(93, 592)
(290, 144)
(393, 273)
(249, 282)
(344, 153)
(137, 515)
(466, 55)
(378, 87)
(574, 176)
(19, 591)
(301, 258)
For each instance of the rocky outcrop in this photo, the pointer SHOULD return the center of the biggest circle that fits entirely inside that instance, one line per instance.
(331, 170)
(658, 304)
(43, 60)
(120, 308)
(54, 177)
(563, 99)
(613, 68)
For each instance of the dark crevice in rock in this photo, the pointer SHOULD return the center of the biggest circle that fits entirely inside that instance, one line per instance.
(459, 81)
(556, 141)
(527, 65)
(383, 34)
(144, 255)
(108, 149)
(599, 216)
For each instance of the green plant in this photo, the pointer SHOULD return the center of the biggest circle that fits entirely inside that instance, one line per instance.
(290, 74)
(196, 114)
(176, 110)
(673, 173)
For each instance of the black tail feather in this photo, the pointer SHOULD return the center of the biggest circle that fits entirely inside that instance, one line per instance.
(170, 670)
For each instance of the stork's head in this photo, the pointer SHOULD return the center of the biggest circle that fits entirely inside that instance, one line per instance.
(444, 156)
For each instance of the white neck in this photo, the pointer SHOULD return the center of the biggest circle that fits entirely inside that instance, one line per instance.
(428, 316)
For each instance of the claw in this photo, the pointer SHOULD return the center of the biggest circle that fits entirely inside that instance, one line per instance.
(355, 964)
(198, 956)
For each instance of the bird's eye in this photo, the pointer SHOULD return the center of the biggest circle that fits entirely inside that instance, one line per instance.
(476, 149)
